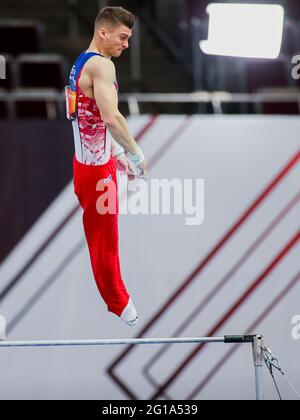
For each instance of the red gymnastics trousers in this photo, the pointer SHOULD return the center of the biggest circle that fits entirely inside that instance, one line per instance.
(101, 229)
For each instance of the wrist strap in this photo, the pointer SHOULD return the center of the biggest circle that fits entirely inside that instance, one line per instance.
(138, 158)
(118, 151)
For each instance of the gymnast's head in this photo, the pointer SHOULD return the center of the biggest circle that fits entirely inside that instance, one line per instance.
(113, 28)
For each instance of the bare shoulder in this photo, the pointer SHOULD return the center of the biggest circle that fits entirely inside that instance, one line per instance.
(101, 68)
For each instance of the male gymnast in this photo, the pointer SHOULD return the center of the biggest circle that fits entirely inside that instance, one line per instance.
(92, 105)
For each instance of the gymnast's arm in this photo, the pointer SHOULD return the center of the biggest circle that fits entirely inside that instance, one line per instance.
(106, 97)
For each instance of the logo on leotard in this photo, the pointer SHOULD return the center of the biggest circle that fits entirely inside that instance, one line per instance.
(106, 180)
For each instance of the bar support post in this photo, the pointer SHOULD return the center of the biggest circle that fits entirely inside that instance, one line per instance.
(258, 364)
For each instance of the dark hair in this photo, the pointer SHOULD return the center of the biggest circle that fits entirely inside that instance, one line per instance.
(114, 16)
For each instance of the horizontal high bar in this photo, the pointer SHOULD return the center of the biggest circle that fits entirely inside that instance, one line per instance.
(125, 341)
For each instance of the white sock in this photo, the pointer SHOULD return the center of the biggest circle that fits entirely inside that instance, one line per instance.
(129, 314)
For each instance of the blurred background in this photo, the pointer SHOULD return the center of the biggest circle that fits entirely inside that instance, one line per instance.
(240, 134)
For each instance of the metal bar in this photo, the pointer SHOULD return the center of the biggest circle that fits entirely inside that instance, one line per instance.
(217, 107)
(256, 340)
(108, 342)
(135, 53)
(133, 106)
(2, 327)
(204, 96)
(259, 371)
(258, 364)
(197, 57)
(201, 96)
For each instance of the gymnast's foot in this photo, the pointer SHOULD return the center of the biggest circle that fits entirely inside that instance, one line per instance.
(129, 314)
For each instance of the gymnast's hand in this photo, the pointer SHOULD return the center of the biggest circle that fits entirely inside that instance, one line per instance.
(124, 165)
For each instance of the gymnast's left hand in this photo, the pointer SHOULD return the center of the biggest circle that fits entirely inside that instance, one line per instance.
(124, 165)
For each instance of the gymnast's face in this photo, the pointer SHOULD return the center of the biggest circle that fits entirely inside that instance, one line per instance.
(114, 39)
